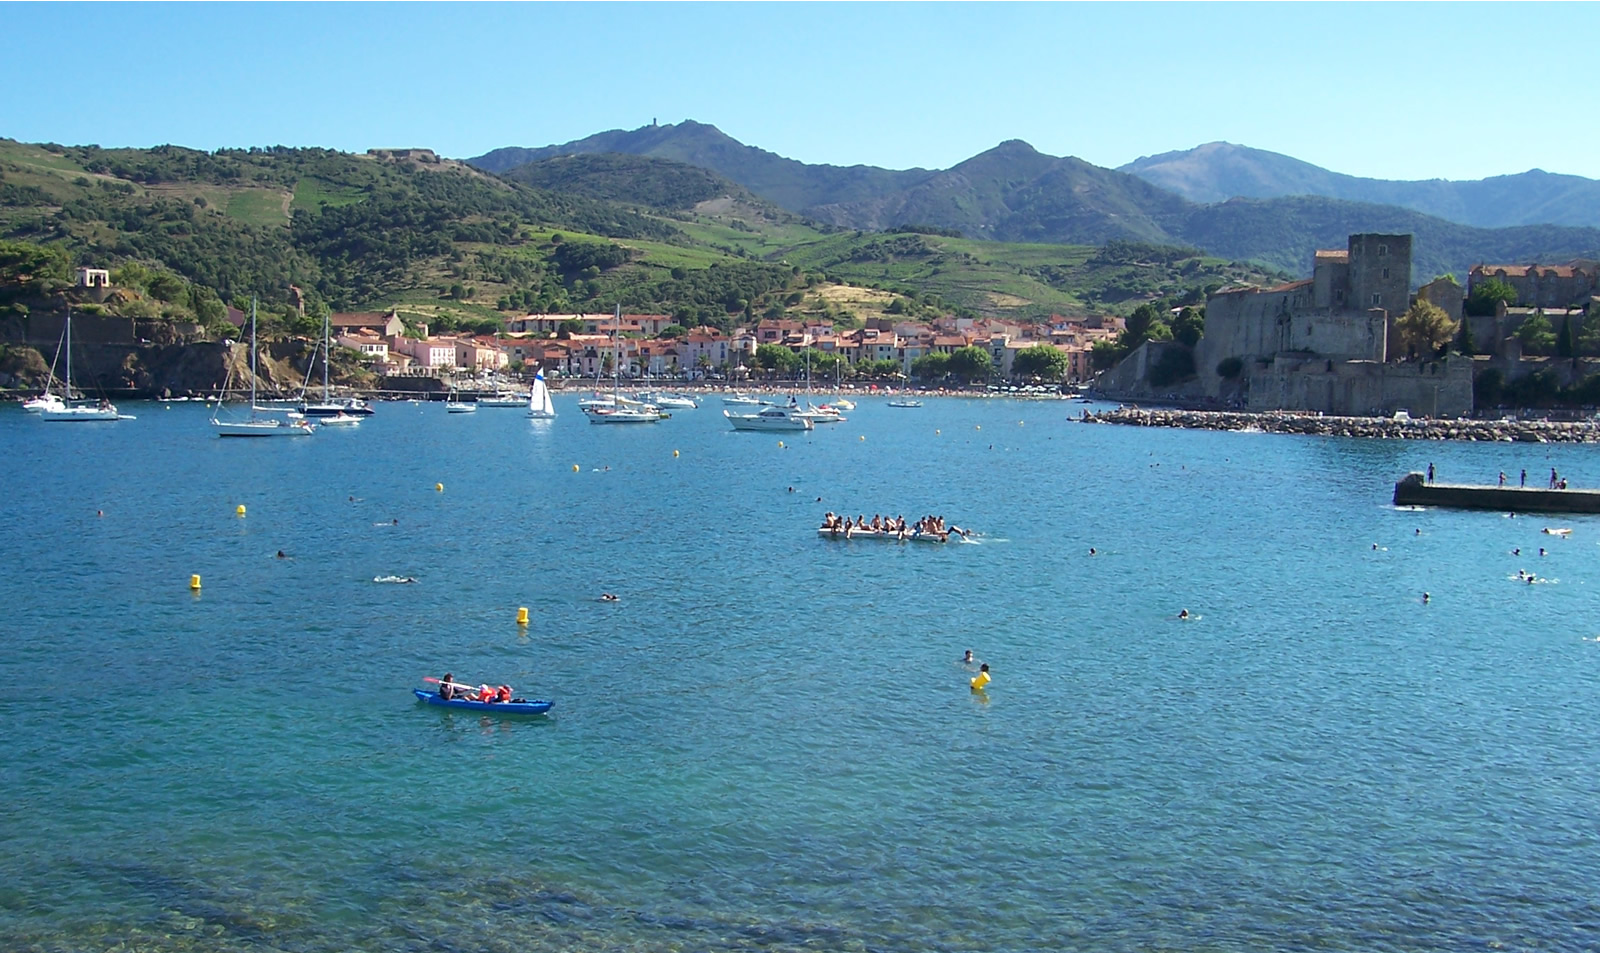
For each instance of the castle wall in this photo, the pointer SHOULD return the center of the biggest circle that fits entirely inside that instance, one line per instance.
(1440, 388)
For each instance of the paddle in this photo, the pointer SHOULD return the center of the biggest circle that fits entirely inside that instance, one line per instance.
(460, 685)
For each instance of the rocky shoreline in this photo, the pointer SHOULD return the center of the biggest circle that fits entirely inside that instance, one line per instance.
(1383, 428)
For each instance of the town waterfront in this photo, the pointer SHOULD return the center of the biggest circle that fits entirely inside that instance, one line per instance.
(768, 742)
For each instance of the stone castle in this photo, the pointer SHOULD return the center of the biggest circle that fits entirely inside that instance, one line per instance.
(1329, 342)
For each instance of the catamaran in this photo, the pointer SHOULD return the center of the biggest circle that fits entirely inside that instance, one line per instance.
(49, 400)
(82, 412)
(257, 425)
(540, 407)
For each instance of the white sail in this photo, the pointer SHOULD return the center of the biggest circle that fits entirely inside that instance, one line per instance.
(539, 404)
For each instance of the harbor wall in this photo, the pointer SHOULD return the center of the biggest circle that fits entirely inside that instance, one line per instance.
(1415, 490)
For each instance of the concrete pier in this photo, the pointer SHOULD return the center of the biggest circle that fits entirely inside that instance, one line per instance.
(1415, 490)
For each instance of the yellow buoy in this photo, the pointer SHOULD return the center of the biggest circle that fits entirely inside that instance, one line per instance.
(194, 582)
(439, 487)
(239, 510)
(863, 436)
(574, 468)
(780, 444)
(937, 432)
(674, 453)
(977, 427)
(522, 615)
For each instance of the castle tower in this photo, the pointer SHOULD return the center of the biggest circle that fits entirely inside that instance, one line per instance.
(1380, 277)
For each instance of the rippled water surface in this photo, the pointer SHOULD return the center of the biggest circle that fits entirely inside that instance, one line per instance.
(768, 742)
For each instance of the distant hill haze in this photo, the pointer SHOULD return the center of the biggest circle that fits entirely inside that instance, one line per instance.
(1218, 171)
(1015, 193)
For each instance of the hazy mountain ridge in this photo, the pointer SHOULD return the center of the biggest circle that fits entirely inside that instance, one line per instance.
(1218, 171)
(1015, 193)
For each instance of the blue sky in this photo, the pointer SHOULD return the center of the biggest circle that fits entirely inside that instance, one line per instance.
(1376, 89)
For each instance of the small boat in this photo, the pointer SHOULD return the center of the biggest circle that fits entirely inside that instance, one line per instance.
(676, 401)
(533, 707)
(66, 410)
(328, 406)
(49, 400)
(905, 403)
(843, 404)
(540, 407)
(619, 409)
(338, 420)
(257, 425)
(504, 399)
(773, 418)
(743, 400)
(455, 406)
(911, 536)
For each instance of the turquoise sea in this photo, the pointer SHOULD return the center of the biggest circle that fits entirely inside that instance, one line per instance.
(768, 742)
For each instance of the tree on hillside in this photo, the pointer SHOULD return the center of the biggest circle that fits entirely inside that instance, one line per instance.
(1488, 293)
(1536, 335)
(1040, 360)
(1424, 329)
(971, 363)
(673, 331)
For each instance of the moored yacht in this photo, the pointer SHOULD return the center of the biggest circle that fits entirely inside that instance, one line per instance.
(772, 418)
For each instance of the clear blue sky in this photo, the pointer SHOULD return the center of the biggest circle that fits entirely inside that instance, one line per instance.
(1376, 89)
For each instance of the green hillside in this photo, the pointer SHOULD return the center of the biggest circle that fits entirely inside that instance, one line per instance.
(454, 245)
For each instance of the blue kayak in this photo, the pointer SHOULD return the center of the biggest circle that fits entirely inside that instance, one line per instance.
(535, 707)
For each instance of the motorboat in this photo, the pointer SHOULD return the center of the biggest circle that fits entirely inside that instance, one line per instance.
(505, 399)
(905, 403)
(338, 420)
(675, 401)
(743, 400)
(771, 418)
(842, 403)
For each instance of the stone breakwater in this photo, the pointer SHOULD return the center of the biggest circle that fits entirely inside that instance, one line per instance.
(1493, 431)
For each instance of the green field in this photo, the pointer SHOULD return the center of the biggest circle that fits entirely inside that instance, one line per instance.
(257, 207)
(312, 193)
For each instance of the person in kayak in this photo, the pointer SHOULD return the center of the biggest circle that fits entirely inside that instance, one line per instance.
(447, 688)
(486, 694)
(503, 693)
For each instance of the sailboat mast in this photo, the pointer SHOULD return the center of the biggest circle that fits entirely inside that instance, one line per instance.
(252, 355)
(616, 354)
(326, 353)
(68, 395)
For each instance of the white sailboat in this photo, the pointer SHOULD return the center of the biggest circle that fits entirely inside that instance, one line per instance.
(621, 410)
(49, 400)
(817, 415)
(80, 412)
(540, 407)
(456, 406)
(257, 425)
(328, 407)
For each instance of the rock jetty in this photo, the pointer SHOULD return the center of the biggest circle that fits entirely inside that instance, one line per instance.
(1492, 431)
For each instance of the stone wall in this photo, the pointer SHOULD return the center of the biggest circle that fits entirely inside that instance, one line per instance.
(1301, 383)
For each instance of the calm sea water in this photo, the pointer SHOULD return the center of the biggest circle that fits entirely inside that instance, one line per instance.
(768, 742)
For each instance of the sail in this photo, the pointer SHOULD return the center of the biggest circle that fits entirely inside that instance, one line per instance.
(539, 403)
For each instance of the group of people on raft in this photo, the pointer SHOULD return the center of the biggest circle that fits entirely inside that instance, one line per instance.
(449, 690)
(890, 526)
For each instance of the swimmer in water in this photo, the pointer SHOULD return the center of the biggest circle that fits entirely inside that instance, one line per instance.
(1541, 551)
(607, 597)
(1091, 550)
(1517, 551)
(1374, 547)
(966, 658)
(1426, 598)
(1183, 613)
(282, 554)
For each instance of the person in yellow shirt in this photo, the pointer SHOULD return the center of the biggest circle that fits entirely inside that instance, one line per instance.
(980, 680)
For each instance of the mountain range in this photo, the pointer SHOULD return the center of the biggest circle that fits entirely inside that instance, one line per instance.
(1284, 210)
(1218, 171)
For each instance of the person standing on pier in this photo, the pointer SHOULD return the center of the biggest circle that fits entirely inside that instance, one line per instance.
(1502, 478)
(1430, 473)
(1524, 477)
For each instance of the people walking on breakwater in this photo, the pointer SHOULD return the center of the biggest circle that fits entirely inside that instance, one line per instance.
(1553, 478)
(1430, 473)
(1524, 481)
(1502, 478)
